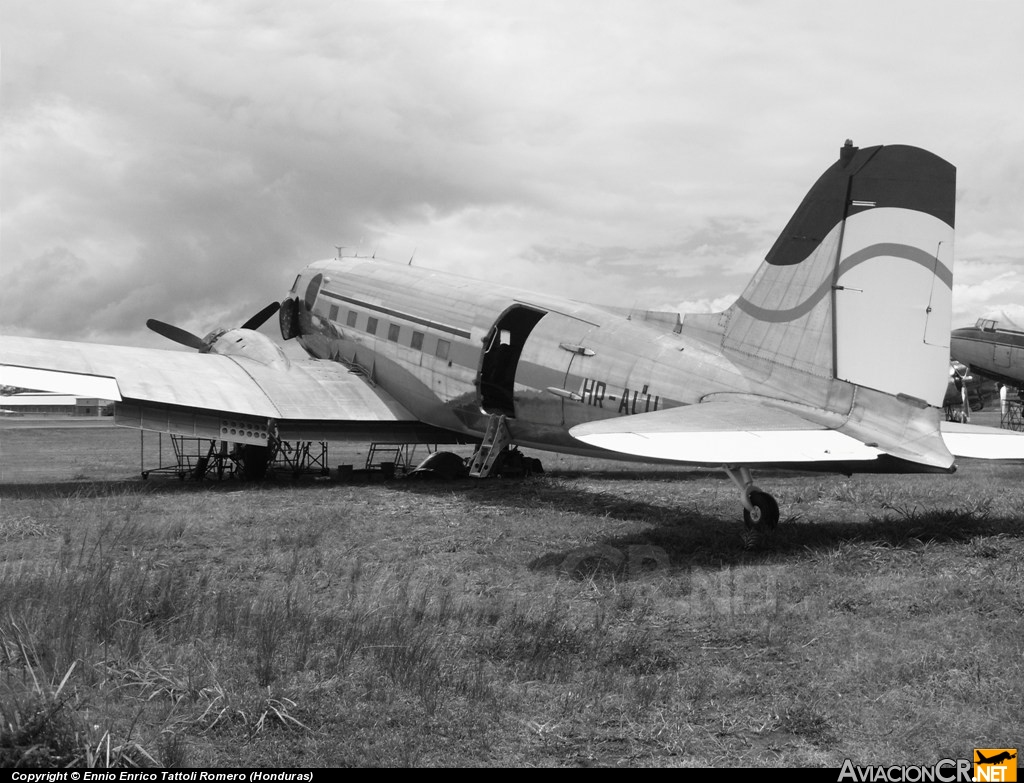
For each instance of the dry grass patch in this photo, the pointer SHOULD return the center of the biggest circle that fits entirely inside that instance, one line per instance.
(612, 617)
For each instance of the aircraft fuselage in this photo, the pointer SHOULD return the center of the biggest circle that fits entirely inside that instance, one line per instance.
(453, 351)
(994, 352)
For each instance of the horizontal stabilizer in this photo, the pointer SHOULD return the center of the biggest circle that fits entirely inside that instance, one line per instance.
(728, 433)
(969, 440)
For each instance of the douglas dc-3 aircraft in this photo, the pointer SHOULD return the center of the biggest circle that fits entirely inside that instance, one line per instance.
(995, 351)
(834, 358)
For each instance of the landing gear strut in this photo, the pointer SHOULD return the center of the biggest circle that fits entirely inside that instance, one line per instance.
(760, 511)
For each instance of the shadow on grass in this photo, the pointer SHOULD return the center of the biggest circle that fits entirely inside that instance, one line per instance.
(707, 541)
(691, 535)
(689, 532)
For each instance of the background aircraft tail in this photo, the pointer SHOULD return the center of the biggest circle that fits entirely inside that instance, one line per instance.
(859, 284)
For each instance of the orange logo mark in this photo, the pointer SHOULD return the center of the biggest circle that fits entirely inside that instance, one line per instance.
(998, 765)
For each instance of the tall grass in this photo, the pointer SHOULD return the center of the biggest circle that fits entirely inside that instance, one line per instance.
(476, 625)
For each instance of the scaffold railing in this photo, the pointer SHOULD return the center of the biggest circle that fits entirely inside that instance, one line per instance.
(1011, 416)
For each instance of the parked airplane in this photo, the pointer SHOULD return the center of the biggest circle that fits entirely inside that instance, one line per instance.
(992, 350)
(834, 358)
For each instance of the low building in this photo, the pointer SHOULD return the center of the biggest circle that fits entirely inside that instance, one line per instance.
(41, 404)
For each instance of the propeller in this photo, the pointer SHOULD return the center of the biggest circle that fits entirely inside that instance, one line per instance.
(176, 333)
(261, 317)
(189, 340)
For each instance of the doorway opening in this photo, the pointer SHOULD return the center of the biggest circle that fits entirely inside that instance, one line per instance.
(503, 347)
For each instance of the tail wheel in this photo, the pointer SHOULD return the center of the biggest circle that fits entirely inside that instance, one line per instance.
(765, 514)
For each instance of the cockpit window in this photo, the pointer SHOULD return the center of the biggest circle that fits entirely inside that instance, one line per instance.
(986, 324)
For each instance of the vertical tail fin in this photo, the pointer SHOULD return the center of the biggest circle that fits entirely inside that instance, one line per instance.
(859, 284)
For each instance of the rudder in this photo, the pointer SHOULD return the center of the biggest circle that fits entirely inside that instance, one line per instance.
(859, 284)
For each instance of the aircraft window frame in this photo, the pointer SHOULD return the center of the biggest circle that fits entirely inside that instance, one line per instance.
(333, 313)
(371, 325)
(417, 341)
(394, 331)
(442, 349)
(351, 319)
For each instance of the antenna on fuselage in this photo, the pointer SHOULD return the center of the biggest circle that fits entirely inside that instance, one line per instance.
(412, 256)
(340, 248)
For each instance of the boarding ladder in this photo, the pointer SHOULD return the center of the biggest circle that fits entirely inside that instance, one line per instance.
(496, 440)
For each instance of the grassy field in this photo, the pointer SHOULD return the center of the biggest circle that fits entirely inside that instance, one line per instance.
(597, 615)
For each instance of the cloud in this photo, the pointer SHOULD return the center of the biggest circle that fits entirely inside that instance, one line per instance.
(988, 288)
(183, 160)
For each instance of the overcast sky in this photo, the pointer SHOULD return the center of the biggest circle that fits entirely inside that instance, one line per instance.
(183, 160)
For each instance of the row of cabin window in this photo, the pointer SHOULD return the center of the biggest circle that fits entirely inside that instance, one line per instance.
(394, 331)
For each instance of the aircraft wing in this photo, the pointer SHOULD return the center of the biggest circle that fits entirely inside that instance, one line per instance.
(205, 394)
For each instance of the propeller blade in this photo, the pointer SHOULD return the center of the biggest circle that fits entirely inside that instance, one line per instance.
(175, 333)
(261, 317)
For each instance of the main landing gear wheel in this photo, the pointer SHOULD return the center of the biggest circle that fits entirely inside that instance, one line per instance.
(765, 512)
(760, 511)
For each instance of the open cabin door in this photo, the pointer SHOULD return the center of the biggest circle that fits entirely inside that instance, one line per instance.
(503, 348)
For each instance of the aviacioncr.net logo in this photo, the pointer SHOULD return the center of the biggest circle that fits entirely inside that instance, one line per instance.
(946, 771)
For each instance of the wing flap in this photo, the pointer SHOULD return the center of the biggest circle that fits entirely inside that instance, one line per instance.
(324, 391)
(728, 432)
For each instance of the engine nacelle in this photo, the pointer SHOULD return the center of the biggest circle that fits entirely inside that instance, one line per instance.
(250, 344)
(295, 319)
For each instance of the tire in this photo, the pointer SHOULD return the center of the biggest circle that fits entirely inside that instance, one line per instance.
(766, 511)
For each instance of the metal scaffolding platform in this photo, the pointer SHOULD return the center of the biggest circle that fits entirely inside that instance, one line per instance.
(202, 458)
(195, 458)
(301, 457)
(1011, 417)
(394, 458)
